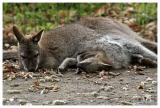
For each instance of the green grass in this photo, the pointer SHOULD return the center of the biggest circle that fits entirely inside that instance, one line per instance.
(35, 16)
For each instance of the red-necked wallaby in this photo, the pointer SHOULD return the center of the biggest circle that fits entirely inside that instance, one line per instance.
(91, 44)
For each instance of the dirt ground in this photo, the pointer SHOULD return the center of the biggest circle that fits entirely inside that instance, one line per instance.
(130, 87)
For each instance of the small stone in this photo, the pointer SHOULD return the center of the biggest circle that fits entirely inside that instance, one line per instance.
(5, 100)
(94, 93)
(147, 97)
(36, 75)
(98, 82)
(121, 79)
(154, 82)
(54, 76)
(6, 45)
(14, 85)
(22, 102)
(47, 78)
(135, 67)
(91, 101)
(114, 73)
(141, 86)
(140, 72)
(126, 103)
(140, 68)
(28, 104)
(126, 94)
(102, 73)
(60, 102)
(56, 80)
(149, 79)
(51, 79)
(44, 91)
(128, 71)
(114, 99)
(31, 89)
(101, 89)
(14, 91)
(42, 80)
(12, 99)
(150, 90)
(109, 88)
(104, 78)
(125, 88)
(59, 75)
(56, 88)
(102, 97)
(47, 103)
(137, 98)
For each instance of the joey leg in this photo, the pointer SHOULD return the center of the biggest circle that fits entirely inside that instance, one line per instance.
(93, 65)
(68, 62)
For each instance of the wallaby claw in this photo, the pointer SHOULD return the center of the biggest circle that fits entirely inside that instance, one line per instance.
(59, 73)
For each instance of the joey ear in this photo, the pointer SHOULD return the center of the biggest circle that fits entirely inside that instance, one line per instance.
(18, 34)
(37, 37)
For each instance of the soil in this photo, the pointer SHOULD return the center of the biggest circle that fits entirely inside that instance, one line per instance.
(130, 87)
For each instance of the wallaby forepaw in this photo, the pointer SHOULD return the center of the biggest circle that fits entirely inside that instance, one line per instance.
(59, 73)
(61, 69)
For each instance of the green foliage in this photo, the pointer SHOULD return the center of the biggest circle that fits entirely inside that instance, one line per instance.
(146, 12)
(35, 16)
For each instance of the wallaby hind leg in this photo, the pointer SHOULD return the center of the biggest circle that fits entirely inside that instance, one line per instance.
(146, 53)
(140, 49)
(148, 44)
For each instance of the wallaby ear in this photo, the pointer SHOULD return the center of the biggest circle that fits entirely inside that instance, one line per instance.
(37, 37)
(18, 34)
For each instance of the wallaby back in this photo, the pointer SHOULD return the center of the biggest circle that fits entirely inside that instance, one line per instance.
(109, 26)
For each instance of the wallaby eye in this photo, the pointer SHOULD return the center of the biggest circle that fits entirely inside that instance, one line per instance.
(22, 56)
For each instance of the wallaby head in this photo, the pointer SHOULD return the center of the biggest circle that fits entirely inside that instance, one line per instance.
(29, 51)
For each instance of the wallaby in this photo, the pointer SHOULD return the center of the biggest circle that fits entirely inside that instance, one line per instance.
(77, 44)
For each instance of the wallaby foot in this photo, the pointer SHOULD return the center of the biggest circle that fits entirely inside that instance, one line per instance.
(137, 58)
(148, 62)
